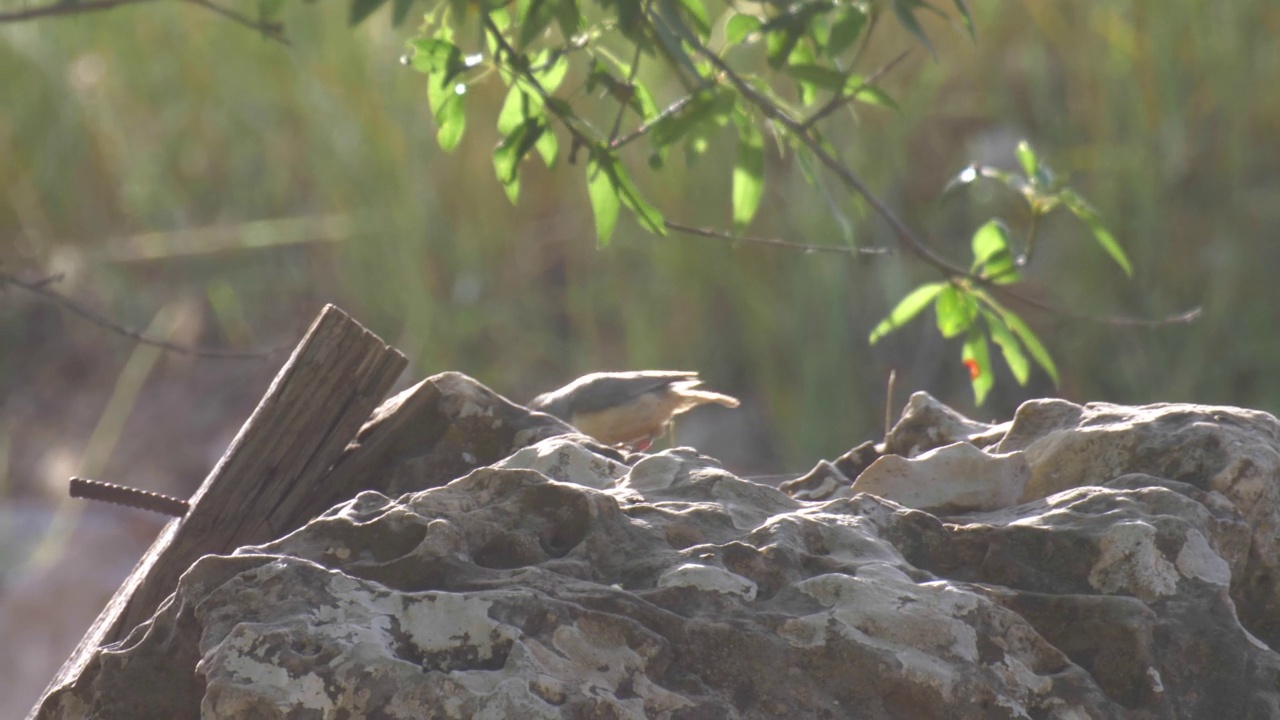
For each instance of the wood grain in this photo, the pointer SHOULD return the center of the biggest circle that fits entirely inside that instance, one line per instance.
(324, 393)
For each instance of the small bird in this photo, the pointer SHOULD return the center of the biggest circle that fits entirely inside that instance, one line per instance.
(628, 408)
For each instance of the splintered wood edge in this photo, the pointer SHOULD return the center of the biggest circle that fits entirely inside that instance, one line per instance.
(314, 407)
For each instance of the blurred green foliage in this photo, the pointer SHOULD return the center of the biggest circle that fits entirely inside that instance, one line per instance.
(312, 173)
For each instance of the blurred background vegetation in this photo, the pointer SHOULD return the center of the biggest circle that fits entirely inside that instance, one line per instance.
(190, 176)
(157, 155)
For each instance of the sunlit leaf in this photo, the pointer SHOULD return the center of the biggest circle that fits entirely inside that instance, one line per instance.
(1027, 159)
(1023, 332)
(604, 196)
(872, 95)
(548, 146)
(956, 310)
(512, 149)
(452, 119)
(1083, 210)
(820, 75)
(739, 27)
(976, 356)
(517, 106)
(550, 71)
(748, 171)
(708, 108)
(906, 309)
(1009, 346)
(435, 55)
(646, 214)
(990, 239)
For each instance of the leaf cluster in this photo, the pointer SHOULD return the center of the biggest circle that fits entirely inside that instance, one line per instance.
(770, 74)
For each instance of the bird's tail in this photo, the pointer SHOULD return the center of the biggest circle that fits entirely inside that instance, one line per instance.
(694, 396)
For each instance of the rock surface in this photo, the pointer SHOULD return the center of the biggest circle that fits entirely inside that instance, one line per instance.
(1134, 579)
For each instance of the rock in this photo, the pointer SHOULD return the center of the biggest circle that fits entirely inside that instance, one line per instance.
(569, 582)
(952, 478)
(927, 424)
(1230, 454)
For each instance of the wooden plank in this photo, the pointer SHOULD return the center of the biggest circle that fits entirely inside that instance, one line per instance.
(314, 407)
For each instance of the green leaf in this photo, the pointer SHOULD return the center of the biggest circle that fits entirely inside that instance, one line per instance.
(361, 9)
(1023, 332)
(698, 12)
(533, 17)
(604, 196)
(707, 108)
(956, 310)
(872, 95)
(436, 55)
(1032, 343)
(647, 215)
(512, 149)
(1009, 346)
(648, 108)
(905, 10)
(748, 172)
(1083, 210)
(550, 71)
(568, 18)
(452, 119)
(906, 309)
(966, 18)
(1028, 160)
(548, 146)
(976, 356)
(516, 108)
(819, 75)
(990, 240)
(846, 29)
(739, 27)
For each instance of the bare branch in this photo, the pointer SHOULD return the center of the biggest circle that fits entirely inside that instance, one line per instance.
(62, 8)
(40, 287)
(904, 234)
(274, 31)
(839, 100)
(774, 242)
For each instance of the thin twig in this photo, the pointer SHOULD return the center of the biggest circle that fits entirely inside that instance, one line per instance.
(579, 138)
(839, 100)
(670, 110)
(772, 242)
(64, 8)
(904, 234)
(631, 83)
(39, 287)
(274, 31)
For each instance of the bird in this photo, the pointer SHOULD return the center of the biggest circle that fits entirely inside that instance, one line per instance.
(628, 409)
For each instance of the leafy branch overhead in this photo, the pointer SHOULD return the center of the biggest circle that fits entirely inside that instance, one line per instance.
(772, 74)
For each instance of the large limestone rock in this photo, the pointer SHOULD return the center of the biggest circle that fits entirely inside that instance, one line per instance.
(568, 581)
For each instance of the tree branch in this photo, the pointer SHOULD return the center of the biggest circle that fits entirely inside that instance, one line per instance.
(40, 288)
(773, 242)
(63, 8)
(904, 234)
